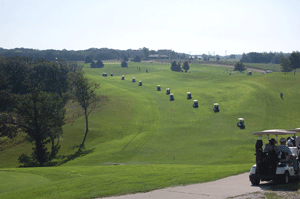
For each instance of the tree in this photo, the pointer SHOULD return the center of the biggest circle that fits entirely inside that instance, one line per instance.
(8, 125)
(125, 58)
(99, 64)
(232, 56)
(146, 52)
(239, 67)
(124, 64)
(85, 95)
(186, 66)
(93, 64)
(137, 59)
(285, 65)
(41, 116)
(295, 61)
(88, 59)
(217, 57)
(175, 66)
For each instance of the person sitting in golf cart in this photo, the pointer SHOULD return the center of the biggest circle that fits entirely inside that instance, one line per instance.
(291, 142)
(282, 148)
(270, 146)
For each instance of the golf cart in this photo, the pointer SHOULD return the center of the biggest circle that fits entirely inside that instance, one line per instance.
(216, 107)
(271, 165)
(241, 123)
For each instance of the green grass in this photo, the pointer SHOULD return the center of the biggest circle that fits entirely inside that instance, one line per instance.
(138, 130)
(273, 67)
(95, 181)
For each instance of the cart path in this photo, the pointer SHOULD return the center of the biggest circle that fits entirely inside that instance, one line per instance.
(227, 187)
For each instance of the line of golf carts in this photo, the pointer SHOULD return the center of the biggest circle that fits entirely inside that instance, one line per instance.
(271, 165)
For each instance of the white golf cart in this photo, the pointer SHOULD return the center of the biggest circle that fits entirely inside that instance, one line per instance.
(271, 165)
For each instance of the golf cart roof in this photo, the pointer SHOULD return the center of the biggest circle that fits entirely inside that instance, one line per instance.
(297, 130)
(240, 118)
(216, 104)
(274, 132)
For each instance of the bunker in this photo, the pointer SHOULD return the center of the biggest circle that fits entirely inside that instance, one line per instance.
(123, 77)
(168, 91)
(195, 105)
(172, 97)
(216, 107)
(133, 79)
(158, 88)
(189, 95)
(140, 83)
(241, 123)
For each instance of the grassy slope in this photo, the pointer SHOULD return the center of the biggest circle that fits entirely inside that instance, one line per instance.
(138, 125)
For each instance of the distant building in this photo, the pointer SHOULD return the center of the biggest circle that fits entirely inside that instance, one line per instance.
(195, 57)
(158, 56)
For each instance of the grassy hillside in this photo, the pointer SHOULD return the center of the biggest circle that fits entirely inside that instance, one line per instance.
(139, 130)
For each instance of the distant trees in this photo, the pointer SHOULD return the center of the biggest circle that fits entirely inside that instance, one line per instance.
(146, 52)
(217, 57)
(186, 66)
(93, 64)
(99, 64)
(85, 94)
(254, 57)
(176, 66)
(88, 59)
(137, 59)
(125, 58)
(295, 61)
(232, 56)
(239, 67)
(86, 55)
(124, 64)
(290, 63)
(285, 65)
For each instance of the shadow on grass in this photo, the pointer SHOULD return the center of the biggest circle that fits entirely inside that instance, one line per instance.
(294, 185)
(62, 159)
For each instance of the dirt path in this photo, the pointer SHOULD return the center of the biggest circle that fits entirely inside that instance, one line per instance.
(234, 186)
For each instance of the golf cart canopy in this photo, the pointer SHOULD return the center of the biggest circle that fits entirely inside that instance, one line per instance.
(297, 130)
(216, 104)
(274, 132)
(241, 119)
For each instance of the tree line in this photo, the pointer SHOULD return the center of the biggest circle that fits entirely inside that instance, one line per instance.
(291, 63)
(33, 95)
(255, 57)
(92, 53)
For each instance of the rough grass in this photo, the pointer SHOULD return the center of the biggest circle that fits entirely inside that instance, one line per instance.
(138, 128)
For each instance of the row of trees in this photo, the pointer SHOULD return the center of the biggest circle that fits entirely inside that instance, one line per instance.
(89, 54)
(290, 63)
(177, 66)
(33, 95)
(255, 57)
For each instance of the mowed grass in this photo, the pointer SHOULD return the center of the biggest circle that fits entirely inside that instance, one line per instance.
(139, 140)
(95, 181)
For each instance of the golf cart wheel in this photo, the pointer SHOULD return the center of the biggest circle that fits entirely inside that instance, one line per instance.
(255, 181)
(286, 178)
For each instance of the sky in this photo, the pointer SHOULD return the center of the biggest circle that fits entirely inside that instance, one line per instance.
(186, 26)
